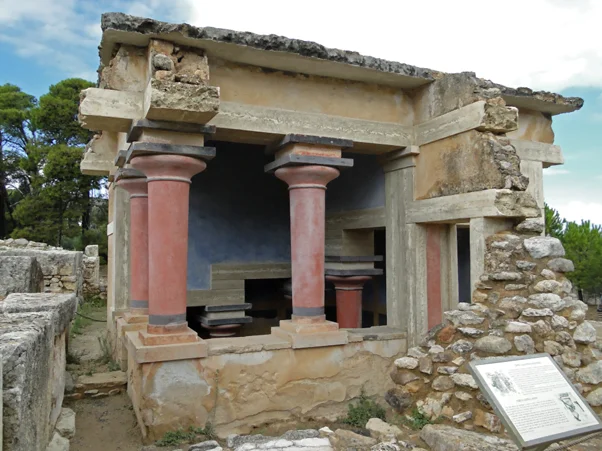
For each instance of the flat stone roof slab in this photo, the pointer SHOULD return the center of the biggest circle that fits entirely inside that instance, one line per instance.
(298, 56)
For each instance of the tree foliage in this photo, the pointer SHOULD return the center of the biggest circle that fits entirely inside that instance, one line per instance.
(583, 245)
(43, 194)
(554, 224)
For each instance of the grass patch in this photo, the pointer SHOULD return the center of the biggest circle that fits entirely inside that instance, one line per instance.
(86, 308)
(417, 420)
(174, 438)
(359, 413)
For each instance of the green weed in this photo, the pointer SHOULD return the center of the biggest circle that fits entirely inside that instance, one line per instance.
(358, 414)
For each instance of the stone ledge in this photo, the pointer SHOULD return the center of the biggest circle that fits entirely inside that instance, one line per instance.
(241, 345)
(313, 340)
(376, 333)
(163, 353)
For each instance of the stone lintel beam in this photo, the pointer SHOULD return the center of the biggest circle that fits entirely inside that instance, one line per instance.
(486, 116)
(492, 203)
(264, 125)
(181, 127)
(547, 154)
(138, 149)
(108, 110)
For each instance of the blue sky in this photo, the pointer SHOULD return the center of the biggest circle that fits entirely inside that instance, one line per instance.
(550, 45)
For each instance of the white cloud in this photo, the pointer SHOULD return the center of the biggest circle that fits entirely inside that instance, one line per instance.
(543, 44)
(555, 171)
(577, 210)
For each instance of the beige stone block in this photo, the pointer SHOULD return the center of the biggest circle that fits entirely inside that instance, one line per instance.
(180, 102)
(302, 327)
(241, 345)
(171, 137)
(127, 70)
(533, 126)
(468, 162)
(312, 340)
(163, 353)
(105, 109)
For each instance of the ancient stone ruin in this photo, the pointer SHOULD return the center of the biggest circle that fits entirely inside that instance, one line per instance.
(523, 304)
(30, 267)
(287, 220)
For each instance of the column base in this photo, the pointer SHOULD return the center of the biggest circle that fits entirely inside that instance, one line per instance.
(149, 338)
(134, 317)
(165, 352)
(311, 335)
(124, 326)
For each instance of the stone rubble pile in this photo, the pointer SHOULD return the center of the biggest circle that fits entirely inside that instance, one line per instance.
(522, 305)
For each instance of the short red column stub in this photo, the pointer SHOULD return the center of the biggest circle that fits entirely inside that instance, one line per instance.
(349, 299)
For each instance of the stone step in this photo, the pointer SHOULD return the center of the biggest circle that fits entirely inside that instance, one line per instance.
(99, 385)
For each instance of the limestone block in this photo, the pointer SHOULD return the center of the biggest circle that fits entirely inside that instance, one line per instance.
(343, 439)
(464, 380)
(541, 247)
(561, 265)
(20, 275)
(181, 102)
(65, 425)
(127, 70)
(585, 333)
(493, 345)
(591, 374)
(595, 398)
(535, 225)
(33, 328)
(58, 443)
(546, 300)
(447, 438)
(109, 110)
(382, 430)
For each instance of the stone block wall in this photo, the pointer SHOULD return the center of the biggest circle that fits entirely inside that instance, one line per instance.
(91, 271)
(20, 275)
(522, 305)
(63, 271)
(33, 333)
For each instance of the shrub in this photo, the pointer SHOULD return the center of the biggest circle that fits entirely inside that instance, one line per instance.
(359, 414)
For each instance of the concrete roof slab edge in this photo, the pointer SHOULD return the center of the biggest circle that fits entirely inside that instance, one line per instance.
(281, 53)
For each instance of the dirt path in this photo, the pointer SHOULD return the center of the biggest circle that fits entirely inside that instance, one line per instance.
(105, 424)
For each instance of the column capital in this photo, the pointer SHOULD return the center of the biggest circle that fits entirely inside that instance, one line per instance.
(311, 176)
(132, 180)
(168, 167)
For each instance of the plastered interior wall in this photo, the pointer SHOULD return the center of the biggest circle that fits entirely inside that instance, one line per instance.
(238, 213)
(357, 188)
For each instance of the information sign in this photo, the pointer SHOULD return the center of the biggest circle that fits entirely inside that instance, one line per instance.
(534, 399)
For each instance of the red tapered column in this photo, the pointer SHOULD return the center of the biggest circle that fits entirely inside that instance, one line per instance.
(349, 299)
(307, 187)
(137, 187)
(168, 178)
